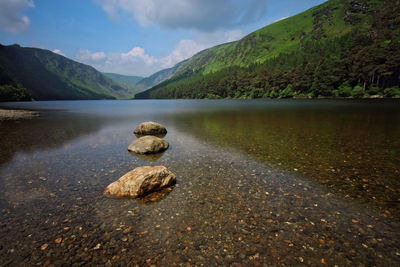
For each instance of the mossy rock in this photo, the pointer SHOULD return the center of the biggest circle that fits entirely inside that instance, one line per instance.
(150, 128)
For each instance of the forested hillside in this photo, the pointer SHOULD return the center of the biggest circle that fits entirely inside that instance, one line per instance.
(10, 89)
(43, 75)
(343, 48)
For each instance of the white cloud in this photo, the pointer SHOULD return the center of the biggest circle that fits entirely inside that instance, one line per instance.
(134, 62)
(139, 53)
(138, 62)
(11, 18)
(202, 15)
(185, 49)
(58, 51)
(91, 58)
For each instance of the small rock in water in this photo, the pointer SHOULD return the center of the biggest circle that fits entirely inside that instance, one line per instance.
(148, 145)
(141, 181)
(128, 230)
(150, 128)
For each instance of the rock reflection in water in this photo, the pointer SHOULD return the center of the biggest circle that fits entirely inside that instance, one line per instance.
(151, 198)
(148, 157)
(156, 135)
(156, 196)
(50, 131)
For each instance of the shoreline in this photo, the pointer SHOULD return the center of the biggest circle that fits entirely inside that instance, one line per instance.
(14, 114)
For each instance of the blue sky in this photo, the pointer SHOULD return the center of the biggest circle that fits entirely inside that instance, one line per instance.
(136, 37)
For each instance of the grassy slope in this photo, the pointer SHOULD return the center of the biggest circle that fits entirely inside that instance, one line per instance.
(160, 76)
(131, 80)
(49, 76)
(280, 37)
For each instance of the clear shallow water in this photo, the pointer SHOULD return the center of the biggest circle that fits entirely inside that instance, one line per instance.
(259, 183)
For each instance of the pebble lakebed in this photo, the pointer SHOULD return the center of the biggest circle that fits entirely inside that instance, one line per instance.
(229, 207)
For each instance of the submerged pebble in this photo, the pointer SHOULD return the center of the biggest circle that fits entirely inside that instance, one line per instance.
(234, 204)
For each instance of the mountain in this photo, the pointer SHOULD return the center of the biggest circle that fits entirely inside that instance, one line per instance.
(11, 89)
(43, 75)
(126, 81)
(160, 76)
(346, 48)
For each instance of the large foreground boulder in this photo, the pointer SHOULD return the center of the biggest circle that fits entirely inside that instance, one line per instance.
(141, 181)
(150, 128)
(148, 144)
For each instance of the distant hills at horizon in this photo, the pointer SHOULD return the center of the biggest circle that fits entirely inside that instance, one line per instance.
(39, 74)
(28, 73)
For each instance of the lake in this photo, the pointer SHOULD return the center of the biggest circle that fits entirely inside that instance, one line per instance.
(259, 182)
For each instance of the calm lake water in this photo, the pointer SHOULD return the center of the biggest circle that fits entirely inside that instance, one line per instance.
(264, 183)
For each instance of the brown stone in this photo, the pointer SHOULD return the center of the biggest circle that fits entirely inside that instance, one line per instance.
(150, 128)
(141, 181)
(148, 144)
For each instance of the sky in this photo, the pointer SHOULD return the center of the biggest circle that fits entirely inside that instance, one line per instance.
(136, 37)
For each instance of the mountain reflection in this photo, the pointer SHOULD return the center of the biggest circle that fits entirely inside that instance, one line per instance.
(46, 132)
(352, 153)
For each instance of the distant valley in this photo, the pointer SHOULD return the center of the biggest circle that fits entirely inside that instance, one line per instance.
(37, 74)
(126, 81)
(32, 73)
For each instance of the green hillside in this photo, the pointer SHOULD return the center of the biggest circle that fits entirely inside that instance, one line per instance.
(347, 48)
(160, 76)
(126, 81)
(49, 76)
(11, 89)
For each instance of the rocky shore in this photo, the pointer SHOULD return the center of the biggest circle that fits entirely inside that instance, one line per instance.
(12, 114)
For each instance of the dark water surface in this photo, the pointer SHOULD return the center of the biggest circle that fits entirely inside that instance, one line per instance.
(264, 183)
